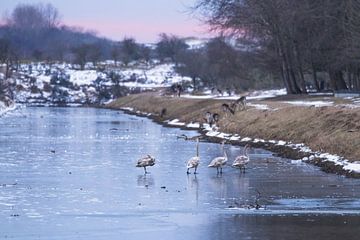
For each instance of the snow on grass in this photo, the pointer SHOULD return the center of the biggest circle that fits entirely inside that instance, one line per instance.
(350, 106)
(281, 143)
(176, 122)
(210, 132)
(246, 139)
(311, 103)
(193, 125)
(161, 75)
(256, 95)
(85, 77)
(266, 94)
(43, 78)
(259, 106)
(197, 96)
(127, 109)
(353, 167)
(234, 138)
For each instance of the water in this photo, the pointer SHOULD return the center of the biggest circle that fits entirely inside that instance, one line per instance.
(69, 173)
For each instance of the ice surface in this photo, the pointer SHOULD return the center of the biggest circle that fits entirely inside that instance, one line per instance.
(69, 173)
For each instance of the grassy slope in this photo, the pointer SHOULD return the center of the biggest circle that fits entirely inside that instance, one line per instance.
(330, 129)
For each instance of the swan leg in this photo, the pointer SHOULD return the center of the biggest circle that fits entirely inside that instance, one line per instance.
(220, 170)
(188, 171)
(145, 170)
(195, 170)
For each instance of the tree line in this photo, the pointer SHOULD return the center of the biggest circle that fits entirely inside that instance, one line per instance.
(308, 42)
(34, 32)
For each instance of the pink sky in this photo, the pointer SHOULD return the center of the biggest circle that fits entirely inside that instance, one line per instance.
(142, 19)
(139, 30)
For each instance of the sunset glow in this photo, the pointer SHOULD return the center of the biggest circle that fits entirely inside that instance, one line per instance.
(143, 20)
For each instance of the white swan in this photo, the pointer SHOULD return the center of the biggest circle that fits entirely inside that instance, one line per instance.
(219, 162)
(242, 160)
(194, 161)
(145, 162)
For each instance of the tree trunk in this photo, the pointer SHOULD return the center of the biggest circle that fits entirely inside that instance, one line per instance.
(283, 67)
(7, 71)
(357, 80)
(316, 82)
(194, 83)
(299, 68)
(337, 81)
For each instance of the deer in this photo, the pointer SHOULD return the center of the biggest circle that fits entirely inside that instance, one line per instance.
(227, 109)
(211, 118)
(240, 102)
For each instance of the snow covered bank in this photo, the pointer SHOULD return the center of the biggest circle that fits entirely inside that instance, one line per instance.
(311, 103)
(43, 84)
(255, 95)
(301, 153)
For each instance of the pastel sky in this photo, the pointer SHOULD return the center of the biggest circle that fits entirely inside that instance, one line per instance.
(142, 19)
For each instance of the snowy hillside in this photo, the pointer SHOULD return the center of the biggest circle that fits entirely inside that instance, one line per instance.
(42, 84)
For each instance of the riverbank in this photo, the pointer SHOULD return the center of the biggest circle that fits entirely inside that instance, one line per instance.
(322, 134)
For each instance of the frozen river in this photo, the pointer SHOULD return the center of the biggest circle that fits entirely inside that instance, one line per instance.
(69, 173)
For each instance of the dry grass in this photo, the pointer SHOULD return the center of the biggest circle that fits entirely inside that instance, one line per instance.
(330, 129)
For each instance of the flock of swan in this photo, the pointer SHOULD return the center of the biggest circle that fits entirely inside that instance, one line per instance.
(240, 161)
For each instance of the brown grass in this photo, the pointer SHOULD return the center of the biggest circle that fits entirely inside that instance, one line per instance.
(329, 129)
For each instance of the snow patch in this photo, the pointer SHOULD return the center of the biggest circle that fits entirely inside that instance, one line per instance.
(266, 94)
(176, 122)
(259, 106)
(193, 125)
(311, 103)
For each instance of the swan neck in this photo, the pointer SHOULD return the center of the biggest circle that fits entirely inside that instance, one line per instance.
(245, 152)
(197, 148)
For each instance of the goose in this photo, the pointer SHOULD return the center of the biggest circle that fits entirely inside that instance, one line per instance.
(145, 162)
(241, 160)
(219, 162)
(194, 161)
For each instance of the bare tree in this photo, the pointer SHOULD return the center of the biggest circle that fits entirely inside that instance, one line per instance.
(81, 54)
(129, 50)
(306, 36)
(30, 17)
(51, 15)
(115, 52)
(170, 46)
(6, 55)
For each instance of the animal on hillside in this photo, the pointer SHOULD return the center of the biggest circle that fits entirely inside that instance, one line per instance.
(194, 161)
(241, 102)
(227, 109)
(163, 112)
(242, 160)
(217, 91)
(146, 161)
(211, 118)
(179, 90)
(216, 117)
(176, 89)
(219, 162)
